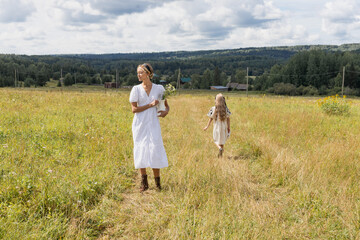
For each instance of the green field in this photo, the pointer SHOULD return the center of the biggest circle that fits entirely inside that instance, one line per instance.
(66, 169)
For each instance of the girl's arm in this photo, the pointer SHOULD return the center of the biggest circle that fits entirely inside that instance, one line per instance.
(210, 120)
(167, 109)
(136, 109)
(228, 124)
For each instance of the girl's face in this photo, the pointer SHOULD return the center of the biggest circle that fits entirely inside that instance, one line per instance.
(142, 74)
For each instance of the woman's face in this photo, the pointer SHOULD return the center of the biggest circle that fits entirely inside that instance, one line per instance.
(142, 74)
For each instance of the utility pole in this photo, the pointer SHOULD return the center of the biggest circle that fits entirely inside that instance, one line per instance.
(116, 78)
(61, 78)
(178, 81)
(15, 78)
(247, 81)
(343, 80)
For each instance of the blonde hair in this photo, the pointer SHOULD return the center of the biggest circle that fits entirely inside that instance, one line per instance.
(148, 69)
(220, 107)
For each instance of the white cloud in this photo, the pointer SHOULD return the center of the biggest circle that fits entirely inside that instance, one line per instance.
(94, 26)
(341, 18)
(15, 10)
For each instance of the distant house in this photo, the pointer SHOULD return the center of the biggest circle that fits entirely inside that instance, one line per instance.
(163, 82)
(185, 80)
(236, 86)
(219, 88)
(111, 85)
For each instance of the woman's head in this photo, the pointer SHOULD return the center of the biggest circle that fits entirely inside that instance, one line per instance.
(145, 71)
(220, 107)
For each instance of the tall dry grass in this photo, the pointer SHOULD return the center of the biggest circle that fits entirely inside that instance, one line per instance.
(289, 171)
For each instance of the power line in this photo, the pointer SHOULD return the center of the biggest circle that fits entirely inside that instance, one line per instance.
(301, 75)
(352, 71)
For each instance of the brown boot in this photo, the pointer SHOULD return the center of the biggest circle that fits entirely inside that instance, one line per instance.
(157, 182)
(144, 183)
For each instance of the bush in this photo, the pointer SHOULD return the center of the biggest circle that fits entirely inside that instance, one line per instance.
(335, 91)
(28, 82)
(323, 90)
(349, 91)
(310, 91)
(334, 105)
(285, 89)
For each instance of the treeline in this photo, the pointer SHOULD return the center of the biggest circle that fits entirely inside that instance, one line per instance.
(285, 70)
(19, 70)
(313, 73)
(36, 71)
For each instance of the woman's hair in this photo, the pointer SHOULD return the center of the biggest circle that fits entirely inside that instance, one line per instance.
(220, 107)
(147, 68)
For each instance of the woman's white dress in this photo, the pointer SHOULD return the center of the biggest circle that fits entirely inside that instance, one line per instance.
(220, 131)
(149, 149)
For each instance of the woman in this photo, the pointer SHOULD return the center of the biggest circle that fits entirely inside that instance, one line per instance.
(149, 149)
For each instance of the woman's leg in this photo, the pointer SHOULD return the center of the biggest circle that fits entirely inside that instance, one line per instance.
(144, 181)
(143, 171)
(156, 172)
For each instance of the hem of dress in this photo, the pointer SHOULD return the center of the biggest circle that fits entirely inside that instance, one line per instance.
(151, 167)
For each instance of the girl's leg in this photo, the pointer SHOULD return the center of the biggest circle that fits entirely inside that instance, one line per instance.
(156, 172)
(221, 150)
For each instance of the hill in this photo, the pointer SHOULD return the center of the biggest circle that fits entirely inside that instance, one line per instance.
(282, 52)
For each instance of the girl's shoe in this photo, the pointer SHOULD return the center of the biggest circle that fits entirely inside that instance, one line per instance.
(220, 152)
(144, 183)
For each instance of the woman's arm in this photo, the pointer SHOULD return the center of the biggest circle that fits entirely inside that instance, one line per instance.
(228, 124)
(207, 126)
(164, 113)
(136, 109)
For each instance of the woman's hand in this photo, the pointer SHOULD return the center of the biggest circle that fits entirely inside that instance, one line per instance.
(154, 103)
(163, 113)
(205, 128)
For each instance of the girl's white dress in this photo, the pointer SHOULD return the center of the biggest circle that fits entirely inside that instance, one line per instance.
(220, 132)
(149, 149)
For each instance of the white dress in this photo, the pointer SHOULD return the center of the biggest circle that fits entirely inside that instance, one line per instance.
(220, 132)
(149, 149)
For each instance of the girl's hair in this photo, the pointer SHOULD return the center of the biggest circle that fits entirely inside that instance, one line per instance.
(220, 107)
(147, 68)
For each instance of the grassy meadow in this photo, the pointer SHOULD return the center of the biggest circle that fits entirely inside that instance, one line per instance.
(289, 171)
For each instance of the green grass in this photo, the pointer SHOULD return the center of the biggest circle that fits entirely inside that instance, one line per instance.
(66, 169)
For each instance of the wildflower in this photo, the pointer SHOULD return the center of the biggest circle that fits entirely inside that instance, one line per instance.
(333, 105)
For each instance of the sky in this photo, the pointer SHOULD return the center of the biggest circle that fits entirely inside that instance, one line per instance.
(38, 27)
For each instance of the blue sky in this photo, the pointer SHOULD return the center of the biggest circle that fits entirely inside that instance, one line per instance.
(113, 26)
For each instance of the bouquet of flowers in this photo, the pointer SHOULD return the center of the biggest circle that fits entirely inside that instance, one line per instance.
(169, 90)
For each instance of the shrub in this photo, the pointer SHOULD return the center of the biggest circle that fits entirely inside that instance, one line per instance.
(310, 91)
(334, 105)
(285, 89)
(28, 82)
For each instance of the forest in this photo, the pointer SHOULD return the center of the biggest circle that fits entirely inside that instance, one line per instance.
(298, 70)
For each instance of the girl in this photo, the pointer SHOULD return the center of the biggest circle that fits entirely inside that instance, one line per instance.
(148, 144)
(221, 116)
